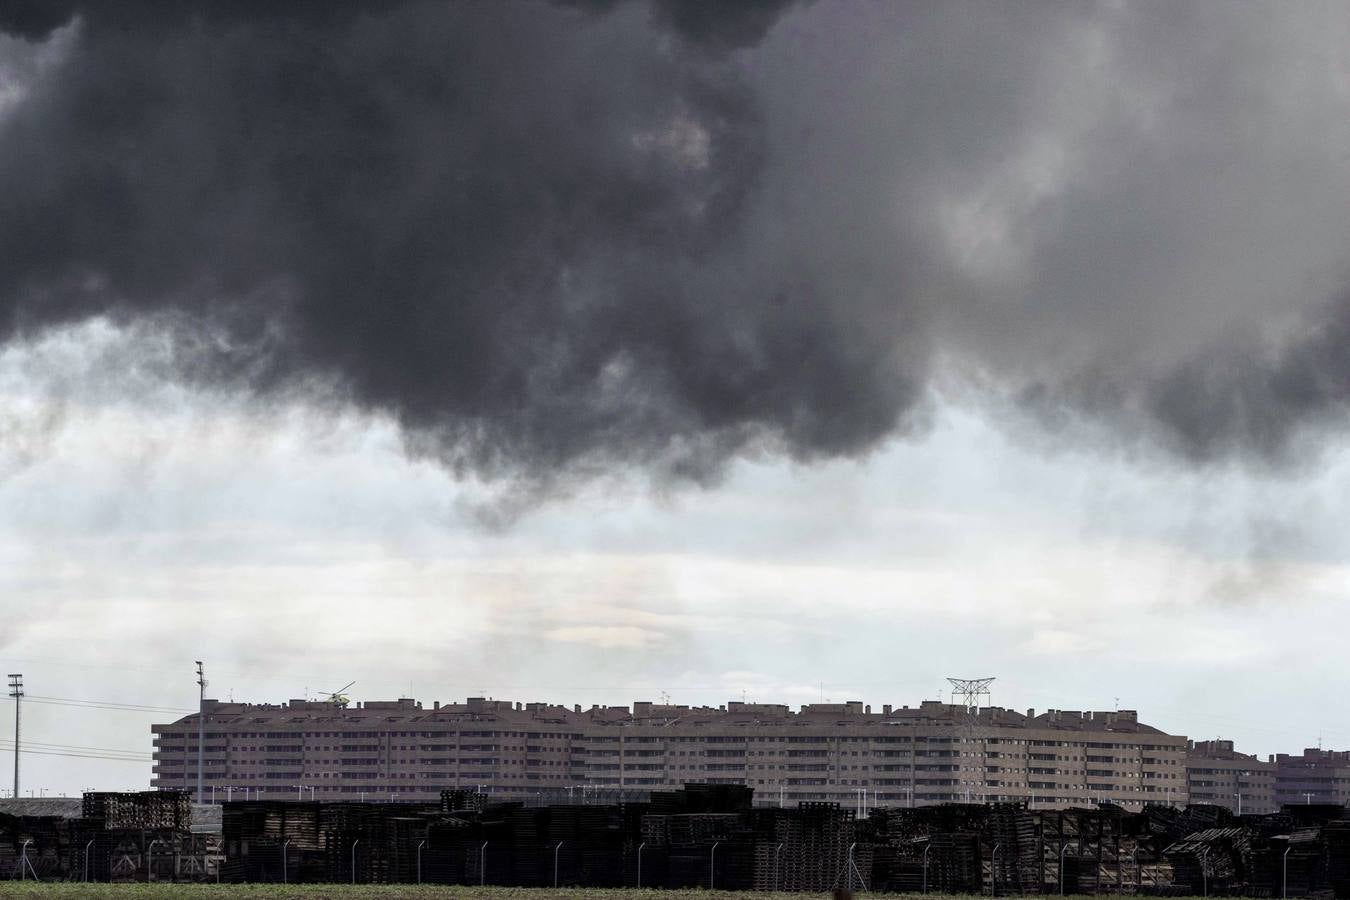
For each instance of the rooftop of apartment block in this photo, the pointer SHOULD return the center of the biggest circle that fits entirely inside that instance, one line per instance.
(733, 713)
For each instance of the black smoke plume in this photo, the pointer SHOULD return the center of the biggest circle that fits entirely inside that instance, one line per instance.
(499, 223)
(551, 240)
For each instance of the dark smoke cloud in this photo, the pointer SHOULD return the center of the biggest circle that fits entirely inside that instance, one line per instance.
(551, 240)
(497, 222)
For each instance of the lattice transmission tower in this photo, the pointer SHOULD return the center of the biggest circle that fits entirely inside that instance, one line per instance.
(971, 691)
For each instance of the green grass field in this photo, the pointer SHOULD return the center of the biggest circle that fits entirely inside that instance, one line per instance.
(62, 891)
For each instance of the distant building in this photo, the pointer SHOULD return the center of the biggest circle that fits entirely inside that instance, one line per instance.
(1217, 774)
(845, 752)
(1317, 776)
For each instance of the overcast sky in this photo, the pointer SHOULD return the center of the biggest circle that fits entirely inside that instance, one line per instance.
(586, 351)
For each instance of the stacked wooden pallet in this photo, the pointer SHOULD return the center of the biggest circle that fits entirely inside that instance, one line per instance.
(34, 847)
(670, 843)
(1009, 845)
(1297, 862)
(1214, 859)
(459, 801)
(815, 839)
(146, 810)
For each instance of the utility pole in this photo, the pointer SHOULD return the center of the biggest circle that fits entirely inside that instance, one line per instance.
(201, 727)
(16, 691)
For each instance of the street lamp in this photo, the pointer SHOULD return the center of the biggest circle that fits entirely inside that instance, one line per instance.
(150, 858)
(1062, 848)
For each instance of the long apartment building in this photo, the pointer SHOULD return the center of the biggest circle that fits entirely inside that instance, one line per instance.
(1314, 776)
(1219, 775)
(931, 753)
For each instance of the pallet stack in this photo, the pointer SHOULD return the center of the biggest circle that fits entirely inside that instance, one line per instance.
(460, 801)
(141, 836)
(258, 834)
(1215, 859)
(1296, 862)
(46, 854)
(1336, 840)
(670, 842)
(815, 839)
(143, 810)
(1011, 830)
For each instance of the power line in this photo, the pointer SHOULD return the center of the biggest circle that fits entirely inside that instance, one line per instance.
(28, 751)
(117, 703)
(5, 742)
(115, 754)
(106, 704)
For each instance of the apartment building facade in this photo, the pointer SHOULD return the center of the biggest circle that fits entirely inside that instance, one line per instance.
(1314, 776)
(1218, 774)
(845, 752)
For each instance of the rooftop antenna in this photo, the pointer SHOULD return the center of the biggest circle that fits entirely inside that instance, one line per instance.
(665, 699)
(970, 691)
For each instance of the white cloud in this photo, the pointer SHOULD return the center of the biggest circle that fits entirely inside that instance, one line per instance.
(606, 637)
(154, 531)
